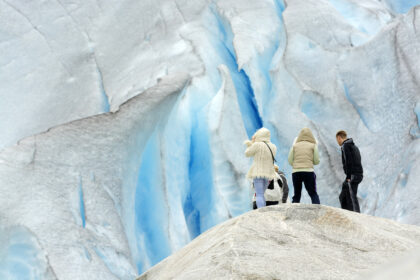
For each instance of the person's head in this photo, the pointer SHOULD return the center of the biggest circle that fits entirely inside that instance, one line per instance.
(262, 134)
(341, 136)
(306, 135)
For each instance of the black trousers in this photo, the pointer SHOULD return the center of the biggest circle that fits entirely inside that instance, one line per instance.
(309, 179)
(348, 195)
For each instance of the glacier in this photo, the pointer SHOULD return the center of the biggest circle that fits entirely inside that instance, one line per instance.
(123, 121)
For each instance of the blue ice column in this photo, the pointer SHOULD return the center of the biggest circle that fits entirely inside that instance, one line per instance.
(150, 207)
(199, 204)
(82, 203)
(245, 93)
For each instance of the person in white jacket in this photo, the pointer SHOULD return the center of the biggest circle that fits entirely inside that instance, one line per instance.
(262, 170)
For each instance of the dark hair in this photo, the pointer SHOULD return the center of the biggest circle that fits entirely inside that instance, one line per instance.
(342, 134)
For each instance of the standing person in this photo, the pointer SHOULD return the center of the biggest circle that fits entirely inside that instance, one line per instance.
(302, 157)
(352, 165)
(262, 170)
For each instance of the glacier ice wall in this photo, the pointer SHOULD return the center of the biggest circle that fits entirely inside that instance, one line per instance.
(113, 194)
(71, 188)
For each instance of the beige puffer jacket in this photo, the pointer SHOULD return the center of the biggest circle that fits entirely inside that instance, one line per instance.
(303, 150)
(262, 166)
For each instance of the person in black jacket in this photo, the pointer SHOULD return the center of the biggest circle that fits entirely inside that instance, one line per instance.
(352, 165)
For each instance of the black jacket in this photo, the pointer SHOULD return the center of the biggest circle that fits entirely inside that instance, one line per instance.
(352, 161)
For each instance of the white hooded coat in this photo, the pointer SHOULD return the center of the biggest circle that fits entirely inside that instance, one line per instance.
(263, 165)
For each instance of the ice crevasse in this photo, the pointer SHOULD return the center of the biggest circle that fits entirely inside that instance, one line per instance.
(150, 104)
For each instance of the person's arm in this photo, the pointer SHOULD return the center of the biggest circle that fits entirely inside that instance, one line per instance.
(248, 143)
(285, 189)
(291, 157)
(348, 158)
(316, 155)
(251, 150)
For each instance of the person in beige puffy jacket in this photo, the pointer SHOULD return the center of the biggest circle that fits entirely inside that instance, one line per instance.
(302, 157)
(262, 170)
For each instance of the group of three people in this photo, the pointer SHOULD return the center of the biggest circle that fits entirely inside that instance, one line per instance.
(302, 157)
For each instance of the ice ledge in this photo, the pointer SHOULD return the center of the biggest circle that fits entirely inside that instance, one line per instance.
(135, 108)
(88, 234)
(290, 242)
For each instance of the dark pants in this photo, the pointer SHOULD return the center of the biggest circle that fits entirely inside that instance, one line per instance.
(348, 195)
(309, 179)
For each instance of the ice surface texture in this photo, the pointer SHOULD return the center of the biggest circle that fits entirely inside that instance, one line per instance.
(72, 189)
(113, 194)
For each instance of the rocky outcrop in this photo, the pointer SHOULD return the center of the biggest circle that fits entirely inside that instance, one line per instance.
(406, 267)
(290, 242)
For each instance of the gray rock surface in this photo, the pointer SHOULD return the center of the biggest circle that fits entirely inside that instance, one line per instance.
(406, 267)
(290, 242)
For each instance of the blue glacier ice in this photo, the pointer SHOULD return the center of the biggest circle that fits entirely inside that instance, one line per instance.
(82, 204)
(21, 257)
(402, 6)
(150, 206)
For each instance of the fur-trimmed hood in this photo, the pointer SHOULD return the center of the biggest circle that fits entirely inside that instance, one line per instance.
(262, 135)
